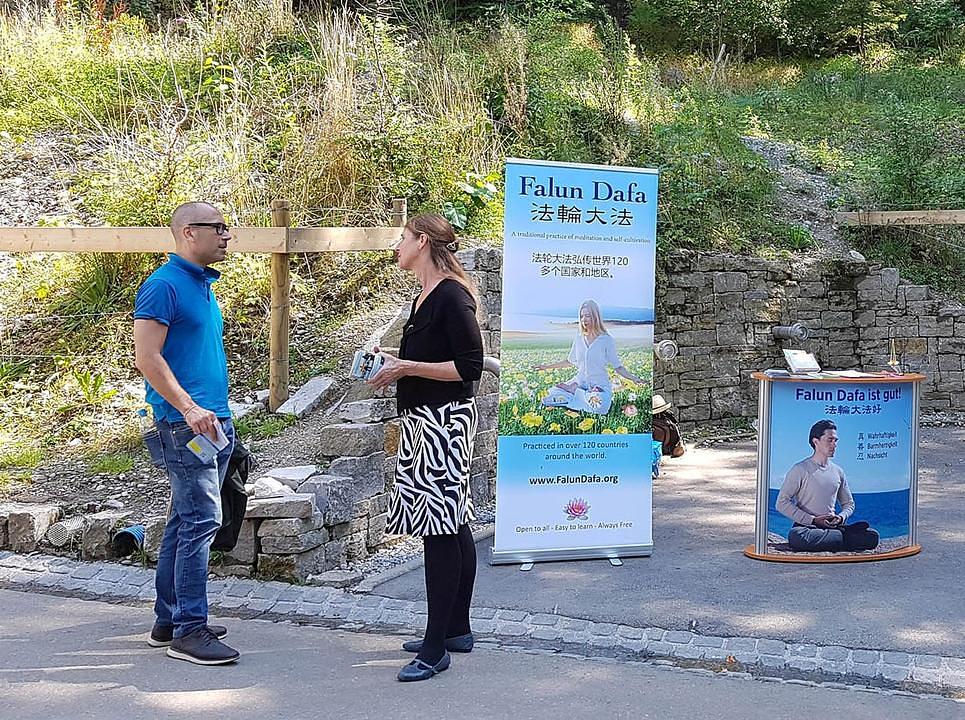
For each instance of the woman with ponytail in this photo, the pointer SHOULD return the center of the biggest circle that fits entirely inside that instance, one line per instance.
(440, 359)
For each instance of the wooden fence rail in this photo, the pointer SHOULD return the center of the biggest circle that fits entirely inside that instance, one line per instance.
(149, 239)
(902, 217)
(280, 240)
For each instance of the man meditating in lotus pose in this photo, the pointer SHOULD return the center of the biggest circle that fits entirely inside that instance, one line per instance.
(808, 496)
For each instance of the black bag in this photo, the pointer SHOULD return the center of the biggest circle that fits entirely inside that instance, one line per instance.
(665, 431)
(234, 499)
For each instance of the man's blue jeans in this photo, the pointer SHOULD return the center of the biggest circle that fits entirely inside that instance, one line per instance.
(182, 566)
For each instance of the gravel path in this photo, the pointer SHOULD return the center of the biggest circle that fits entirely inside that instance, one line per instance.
(35, 179)
(805, 196)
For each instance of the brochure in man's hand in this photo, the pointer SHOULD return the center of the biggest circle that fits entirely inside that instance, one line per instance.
(206, 449)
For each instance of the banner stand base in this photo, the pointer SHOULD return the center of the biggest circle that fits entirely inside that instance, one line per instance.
(521, 557)
(803, 557)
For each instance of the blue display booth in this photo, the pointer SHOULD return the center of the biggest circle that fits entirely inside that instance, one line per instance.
(837, 467)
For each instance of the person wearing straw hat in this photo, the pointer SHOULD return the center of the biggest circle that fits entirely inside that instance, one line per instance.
(665, 429)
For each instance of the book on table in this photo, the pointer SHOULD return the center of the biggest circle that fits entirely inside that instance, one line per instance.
(801, 362)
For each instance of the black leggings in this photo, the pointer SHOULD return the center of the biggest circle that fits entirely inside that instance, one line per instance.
(450, 574)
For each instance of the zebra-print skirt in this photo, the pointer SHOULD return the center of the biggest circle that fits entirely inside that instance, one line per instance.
(431, 494)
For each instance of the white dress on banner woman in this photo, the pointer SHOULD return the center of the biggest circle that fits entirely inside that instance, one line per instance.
(594, 390)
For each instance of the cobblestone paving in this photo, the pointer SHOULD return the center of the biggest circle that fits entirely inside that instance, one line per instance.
(762, 658)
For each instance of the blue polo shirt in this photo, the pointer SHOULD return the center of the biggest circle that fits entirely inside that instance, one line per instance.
(178, 294)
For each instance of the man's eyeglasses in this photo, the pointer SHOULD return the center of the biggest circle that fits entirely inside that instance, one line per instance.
(219, 228)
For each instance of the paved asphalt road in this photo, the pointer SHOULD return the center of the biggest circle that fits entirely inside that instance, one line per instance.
(64, 658)
(703, 518)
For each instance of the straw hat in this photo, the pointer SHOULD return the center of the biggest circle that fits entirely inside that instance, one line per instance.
(659, 404)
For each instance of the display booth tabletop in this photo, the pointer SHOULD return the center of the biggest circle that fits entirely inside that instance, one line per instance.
(876, 379)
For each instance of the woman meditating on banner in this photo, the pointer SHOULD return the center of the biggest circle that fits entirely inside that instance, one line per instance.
(592, 352)
(440, 359)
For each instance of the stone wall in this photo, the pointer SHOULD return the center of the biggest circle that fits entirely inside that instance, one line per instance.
(484, 266)
(720, 310)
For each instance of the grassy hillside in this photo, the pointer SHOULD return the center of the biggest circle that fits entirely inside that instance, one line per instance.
(890, 131)
(340, 112)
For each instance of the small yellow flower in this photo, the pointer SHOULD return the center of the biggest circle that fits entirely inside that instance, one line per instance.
(555, 427)
(606, 431)
(515, 411)
(586, 424)
(531, 419)
(571, 413)
(622, 430)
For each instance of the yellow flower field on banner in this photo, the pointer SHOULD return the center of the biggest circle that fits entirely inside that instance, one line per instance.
(531, 419)
(523, 387)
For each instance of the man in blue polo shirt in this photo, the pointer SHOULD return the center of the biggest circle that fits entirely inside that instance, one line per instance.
(179, 348)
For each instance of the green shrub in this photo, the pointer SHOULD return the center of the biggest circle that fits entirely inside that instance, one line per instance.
(20, 457)
(754, 28)
(262, 426)
(932, 24)
(715, 192)
(906, 160)
(113, 464)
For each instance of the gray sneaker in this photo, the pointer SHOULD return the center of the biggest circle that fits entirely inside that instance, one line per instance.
(162, 635)
(202, 647)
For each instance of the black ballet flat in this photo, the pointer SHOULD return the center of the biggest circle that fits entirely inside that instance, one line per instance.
(420, 670)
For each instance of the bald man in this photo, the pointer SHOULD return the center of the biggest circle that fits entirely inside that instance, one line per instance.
(179, 348)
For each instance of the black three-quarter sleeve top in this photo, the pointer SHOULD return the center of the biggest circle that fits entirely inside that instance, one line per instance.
(443, 328)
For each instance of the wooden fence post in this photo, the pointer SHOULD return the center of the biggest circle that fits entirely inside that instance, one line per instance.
(280, 319)
(399, 212)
